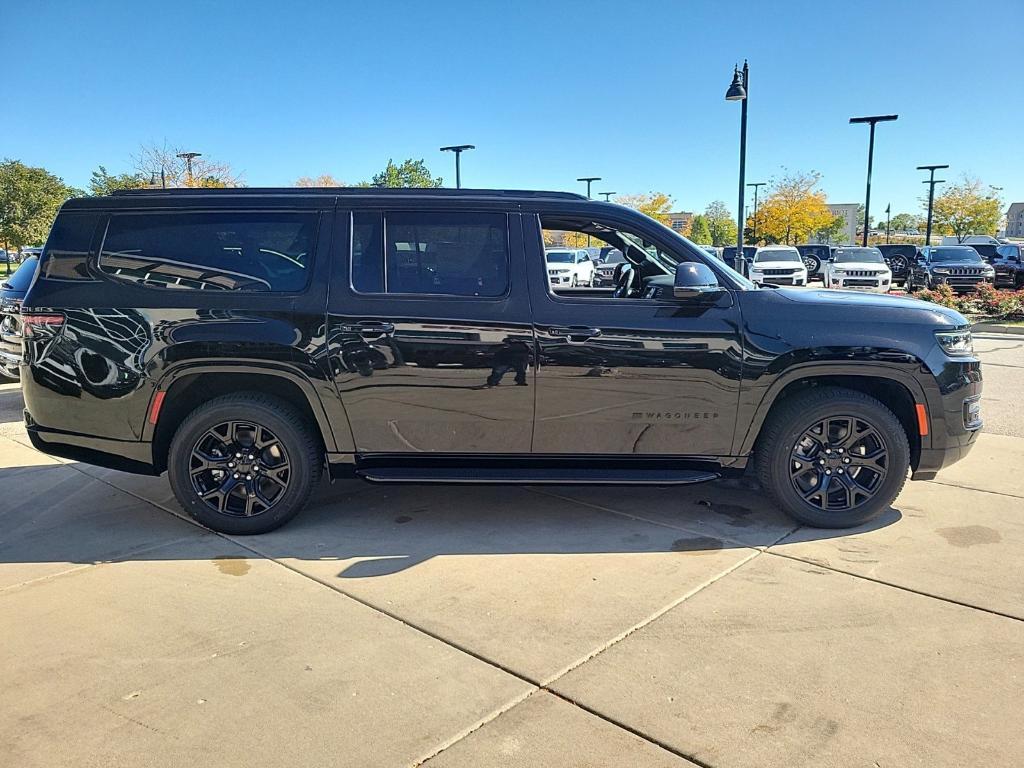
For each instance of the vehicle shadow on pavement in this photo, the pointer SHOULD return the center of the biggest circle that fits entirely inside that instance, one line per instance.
(58, 513)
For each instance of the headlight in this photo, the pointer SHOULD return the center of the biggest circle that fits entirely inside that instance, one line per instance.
(839, 271)
(955, 343)
(941, 271)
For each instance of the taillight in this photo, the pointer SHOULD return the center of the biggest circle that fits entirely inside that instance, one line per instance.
(39, 324)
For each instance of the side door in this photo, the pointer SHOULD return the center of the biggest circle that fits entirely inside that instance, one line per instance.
(631, 376)
(430, 342)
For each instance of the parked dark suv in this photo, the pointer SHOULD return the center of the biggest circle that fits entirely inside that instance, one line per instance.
(958, 266)
(899, 257)
(244, 340)
(12, 291)
(1009, 266)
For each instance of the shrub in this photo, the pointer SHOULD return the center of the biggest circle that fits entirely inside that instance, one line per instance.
(986, 302)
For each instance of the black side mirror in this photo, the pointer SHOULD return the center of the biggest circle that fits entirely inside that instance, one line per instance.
(694, 279)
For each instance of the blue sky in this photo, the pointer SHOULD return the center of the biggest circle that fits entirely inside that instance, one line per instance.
(548, 91)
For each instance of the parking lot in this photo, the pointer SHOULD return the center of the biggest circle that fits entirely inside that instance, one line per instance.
(480, 626)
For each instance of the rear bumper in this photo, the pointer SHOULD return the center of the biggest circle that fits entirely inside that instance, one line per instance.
(122, 455)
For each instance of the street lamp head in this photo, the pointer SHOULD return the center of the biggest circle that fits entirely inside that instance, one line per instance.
(931, 167)
(874, 119)
(457, 148)
(189, 155)
(736, 90)
(590, 178)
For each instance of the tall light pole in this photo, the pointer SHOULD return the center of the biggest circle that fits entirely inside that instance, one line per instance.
(932, 181)
(188, 157)
(756, 185)
(738, 92)
(589, 180)
(872, 120)
(458, 149)
(607, 195)
(888, 216)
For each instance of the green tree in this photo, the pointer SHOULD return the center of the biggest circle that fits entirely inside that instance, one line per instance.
(964, 209)
(29, 199)
(721, 224)
(102, 183)
(903, 222)
(700, 233)
(411, 173)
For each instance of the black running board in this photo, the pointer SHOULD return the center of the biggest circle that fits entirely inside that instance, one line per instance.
(534, 476)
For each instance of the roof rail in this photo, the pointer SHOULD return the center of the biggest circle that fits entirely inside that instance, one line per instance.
(348, 192)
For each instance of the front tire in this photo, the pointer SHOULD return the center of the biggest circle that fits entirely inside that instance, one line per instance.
(833, 458)
(244, 463)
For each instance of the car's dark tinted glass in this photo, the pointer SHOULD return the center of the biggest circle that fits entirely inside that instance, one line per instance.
(967, 254)
(265, 251)
(435, 253)
(22, 277)
(858, 254)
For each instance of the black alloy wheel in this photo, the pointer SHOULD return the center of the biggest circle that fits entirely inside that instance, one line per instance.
(244, 463)
(239, 468)
(839, 463)
(832, 457)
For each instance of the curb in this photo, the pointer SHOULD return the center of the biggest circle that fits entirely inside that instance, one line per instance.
(1012, 330)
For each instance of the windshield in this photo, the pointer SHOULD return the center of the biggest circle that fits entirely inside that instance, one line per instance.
(872, 255)
(939, 255)
(561, 257)
(781, 254)
(22, 278)
(614, 257)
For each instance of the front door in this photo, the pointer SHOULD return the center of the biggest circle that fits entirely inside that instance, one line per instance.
(630, 375)
(430, 340)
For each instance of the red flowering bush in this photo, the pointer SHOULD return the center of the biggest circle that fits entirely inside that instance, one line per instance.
(988, 302)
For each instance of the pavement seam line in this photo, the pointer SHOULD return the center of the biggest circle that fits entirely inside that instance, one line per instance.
(972, 488)
(85, 566)
(901, 587)
(511, 704)
(649, 620)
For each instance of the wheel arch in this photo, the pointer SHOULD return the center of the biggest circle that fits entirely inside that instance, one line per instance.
(894, 388)
(183, 389)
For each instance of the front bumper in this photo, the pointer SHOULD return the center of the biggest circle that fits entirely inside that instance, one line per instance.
(954, 419)
(560, 279)
(961, 284)
(779, 279)
(875, 284)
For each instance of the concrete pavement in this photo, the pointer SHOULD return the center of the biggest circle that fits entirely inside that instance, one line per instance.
(509, 626)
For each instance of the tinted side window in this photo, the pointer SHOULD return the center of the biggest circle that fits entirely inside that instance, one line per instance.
(265, 251)
(438, 253)
(67, 248)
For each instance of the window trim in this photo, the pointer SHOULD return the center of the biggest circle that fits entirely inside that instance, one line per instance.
(428, 296)
(318, 213)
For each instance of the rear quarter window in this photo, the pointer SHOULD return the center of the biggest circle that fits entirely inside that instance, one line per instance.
(219, 251)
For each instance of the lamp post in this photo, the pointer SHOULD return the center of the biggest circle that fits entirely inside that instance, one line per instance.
(458, 149)
(872, 120)
(738, 92)
(756, 185)
(888, 213)
(589, 180)
(188, 157)
(607, 195)
(931, 182)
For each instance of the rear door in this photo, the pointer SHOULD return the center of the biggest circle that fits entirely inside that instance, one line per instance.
(430, 341)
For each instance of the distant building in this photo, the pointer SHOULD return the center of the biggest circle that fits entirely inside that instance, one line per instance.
(1015, 220)
(849, 213)
(680, 220)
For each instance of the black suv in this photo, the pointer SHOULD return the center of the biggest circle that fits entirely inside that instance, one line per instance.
(244, 340)
(958, 266)
(1008, 263)
(899, 257)
(814, 256)
(12, 291)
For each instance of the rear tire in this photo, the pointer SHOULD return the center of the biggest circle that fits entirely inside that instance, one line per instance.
(216, 482)
(840, 477)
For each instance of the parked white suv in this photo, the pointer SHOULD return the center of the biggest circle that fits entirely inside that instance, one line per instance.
(862, 269)
(569, 266)
(778, 264)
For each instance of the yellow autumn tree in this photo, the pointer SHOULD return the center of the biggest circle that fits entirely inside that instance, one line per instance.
(657, 205)
(964, 209)
(793, 210)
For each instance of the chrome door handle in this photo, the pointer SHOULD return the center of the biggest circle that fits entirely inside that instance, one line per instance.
(370, 330)
(577, 334)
